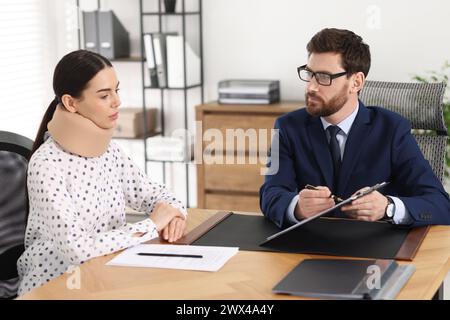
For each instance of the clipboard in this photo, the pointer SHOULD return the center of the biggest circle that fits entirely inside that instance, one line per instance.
(318, 215)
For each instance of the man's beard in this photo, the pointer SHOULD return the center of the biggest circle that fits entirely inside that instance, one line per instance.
(319, 108)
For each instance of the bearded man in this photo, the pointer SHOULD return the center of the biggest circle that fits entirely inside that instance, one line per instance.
(337, 146)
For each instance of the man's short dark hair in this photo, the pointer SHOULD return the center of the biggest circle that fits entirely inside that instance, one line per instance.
(355, 53)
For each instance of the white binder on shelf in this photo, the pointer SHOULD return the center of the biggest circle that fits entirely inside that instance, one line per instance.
(150, 57)
(175, 63)
(159, 46)
(160, 58)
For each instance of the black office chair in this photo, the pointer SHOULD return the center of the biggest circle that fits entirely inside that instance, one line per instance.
(14, 154)
(420, 103)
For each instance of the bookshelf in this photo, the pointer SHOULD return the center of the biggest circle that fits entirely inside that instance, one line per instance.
(158, 15)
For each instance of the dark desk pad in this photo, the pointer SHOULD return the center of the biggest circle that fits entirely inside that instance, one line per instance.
(336, 237)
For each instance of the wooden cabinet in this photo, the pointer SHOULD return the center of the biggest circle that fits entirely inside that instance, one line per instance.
(235, 140)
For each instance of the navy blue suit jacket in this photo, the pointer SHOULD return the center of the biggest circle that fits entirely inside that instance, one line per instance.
(379, 148)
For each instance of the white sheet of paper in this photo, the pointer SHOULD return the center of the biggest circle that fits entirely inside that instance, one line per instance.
(213, 257)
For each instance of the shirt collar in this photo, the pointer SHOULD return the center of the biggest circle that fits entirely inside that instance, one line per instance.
(345, 124)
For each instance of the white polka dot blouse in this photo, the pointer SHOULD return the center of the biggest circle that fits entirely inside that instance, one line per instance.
(77, 210)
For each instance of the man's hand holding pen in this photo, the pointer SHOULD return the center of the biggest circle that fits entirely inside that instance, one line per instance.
(367, 203)
(312, 201)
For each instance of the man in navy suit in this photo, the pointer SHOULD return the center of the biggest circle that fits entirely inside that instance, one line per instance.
(341, 146)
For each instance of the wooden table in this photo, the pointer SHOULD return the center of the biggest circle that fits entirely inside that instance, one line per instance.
(248, 275)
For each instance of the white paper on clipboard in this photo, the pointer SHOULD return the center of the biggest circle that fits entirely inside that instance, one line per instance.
(340, 204)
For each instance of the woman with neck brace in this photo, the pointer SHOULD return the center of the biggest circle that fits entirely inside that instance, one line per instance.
(79, 181)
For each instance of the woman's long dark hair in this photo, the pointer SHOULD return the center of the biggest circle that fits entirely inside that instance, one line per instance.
(72, 73)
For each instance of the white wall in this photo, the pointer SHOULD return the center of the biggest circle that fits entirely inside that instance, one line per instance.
(267, 38)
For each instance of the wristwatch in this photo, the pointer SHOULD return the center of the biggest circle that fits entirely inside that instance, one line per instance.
(390, 210)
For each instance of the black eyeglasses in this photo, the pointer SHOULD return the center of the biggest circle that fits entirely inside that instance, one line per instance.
(322, 78)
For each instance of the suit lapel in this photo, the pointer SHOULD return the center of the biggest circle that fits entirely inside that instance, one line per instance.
(356, 140)
(320, 149)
